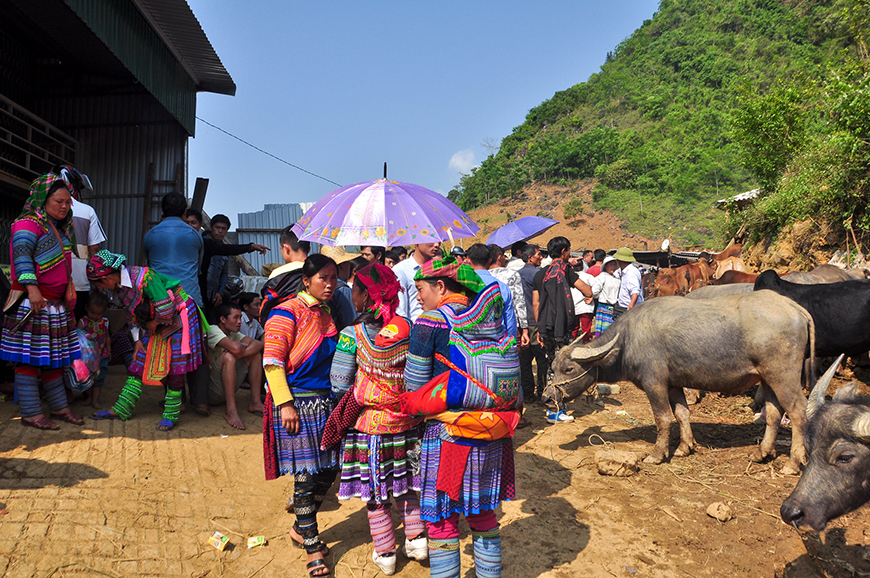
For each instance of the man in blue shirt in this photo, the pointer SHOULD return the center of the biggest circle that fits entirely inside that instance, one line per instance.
(174, 249)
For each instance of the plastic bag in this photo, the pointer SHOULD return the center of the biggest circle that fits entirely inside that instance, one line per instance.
(80, 375)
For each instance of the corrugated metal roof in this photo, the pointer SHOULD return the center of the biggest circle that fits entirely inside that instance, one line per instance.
(176, 24)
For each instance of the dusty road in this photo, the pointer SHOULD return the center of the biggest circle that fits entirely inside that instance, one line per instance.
(121, 499)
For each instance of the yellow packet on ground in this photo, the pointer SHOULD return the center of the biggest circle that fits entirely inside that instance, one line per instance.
(218, 540)
(256, 542)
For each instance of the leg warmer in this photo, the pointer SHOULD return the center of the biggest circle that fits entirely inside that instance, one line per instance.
(53, 389)
(487, 553)
(381, 526)
(305, 507)
(444, 558)
(27, 388)
(130, 394)
(409, 510)
(172, 405)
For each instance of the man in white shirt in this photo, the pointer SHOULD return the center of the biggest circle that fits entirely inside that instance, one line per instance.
(293, 251)
(233, 356)
(89, 235)
(405, 271)
(630, 291)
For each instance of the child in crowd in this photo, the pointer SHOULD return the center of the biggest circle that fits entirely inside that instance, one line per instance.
(96, 327)
(605, 288)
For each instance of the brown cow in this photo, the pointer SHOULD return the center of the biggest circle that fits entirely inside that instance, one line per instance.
(697, 274)
(729, 264)
(668, 282)
(730, 277)
(732, 251)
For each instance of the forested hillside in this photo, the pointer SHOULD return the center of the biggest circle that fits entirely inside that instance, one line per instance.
(697, 105)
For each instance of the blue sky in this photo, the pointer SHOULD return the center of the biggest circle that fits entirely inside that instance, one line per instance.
(339, 88)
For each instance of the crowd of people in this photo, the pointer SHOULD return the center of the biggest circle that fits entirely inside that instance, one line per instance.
(376, 368)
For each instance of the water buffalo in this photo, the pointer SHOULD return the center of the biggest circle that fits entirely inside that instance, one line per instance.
(825, 274)
(719, 290)
(836, 480)
(841, 311)
(724, 344)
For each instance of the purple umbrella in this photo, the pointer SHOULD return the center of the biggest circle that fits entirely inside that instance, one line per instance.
(385, 213)
(519, 230)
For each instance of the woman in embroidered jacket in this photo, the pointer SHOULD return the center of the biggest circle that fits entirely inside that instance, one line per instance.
(39, 332)
(462, 356)
(169, 345)
(299, 345)
(380, 454)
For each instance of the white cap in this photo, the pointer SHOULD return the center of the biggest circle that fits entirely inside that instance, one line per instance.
(607, 260)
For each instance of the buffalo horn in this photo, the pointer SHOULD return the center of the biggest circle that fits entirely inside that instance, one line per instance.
(817, 397)
(590, 354)
(861, 427)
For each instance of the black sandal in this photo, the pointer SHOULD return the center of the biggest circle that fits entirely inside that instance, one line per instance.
(315, 565)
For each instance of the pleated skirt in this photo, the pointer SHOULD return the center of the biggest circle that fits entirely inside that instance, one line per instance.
(488, 478)
(375, 466)
(47, 339)
(286, 453)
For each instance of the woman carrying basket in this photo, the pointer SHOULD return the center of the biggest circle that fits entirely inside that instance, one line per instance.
(463, 368)
(380, 455)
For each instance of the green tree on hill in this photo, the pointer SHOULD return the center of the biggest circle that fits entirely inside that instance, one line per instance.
(657, 124)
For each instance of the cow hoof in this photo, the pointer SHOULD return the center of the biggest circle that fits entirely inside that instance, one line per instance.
(756, 456)
(651, 459)
(790, 470)
(682, 452)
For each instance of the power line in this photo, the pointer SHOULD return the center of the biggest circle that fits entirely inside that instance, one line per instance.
(266, 152)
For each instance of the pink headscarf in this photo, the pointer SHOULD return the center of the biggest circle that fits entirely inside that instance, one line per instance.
(383, 287)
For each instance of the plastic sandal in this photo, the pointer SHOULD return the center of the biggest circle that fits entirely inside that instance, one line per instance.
(165, 425)
(316, 565)
(69, 417)
(41, 423)
(104, 414)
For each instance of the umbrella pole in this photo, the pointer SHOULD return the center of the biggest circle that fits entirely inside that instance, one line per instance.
(450, 234)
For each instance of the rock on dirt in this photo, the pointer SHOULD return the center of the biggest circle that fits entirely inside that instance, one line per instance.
(720, 511)
(616, 463)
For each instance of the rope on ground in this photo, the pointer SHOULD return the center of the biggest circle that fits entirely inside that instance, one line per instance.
(604, 442)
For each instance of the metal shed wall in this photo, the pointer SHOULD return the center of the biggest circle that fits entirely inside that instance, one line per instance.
(115, 151)
(264, 227)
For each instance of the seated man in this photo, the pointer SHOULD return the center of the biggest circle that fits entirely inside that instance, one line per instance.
(233, 357)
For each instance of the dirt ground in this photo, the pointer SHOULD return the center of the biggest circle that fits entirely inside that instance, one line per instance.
(121, 499)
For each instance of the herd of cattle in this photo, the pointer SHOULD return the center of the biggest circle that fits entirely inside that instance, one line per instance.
(713, 326)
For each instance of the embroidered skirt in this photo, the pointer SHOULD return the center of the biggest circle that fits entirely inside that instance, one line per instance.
(374, 466)
(487, 479)
(47, 339)
(286, 453)
(180, 363)
(603, 318)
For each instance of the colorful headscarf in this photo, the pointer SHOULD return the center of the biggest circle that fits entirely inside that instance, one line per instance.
(448, 267)
(104, 263)
(383, 287)
(34, 206)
